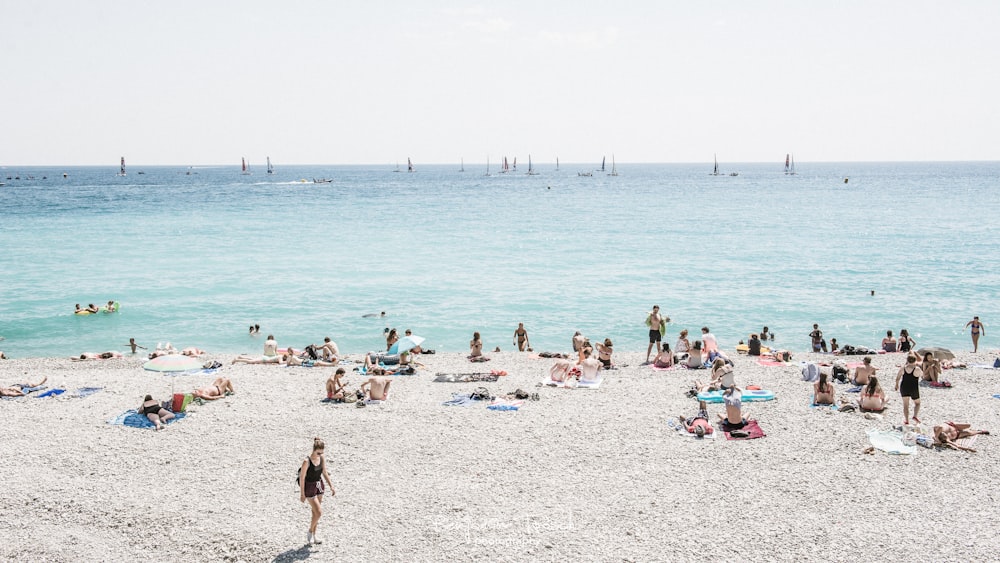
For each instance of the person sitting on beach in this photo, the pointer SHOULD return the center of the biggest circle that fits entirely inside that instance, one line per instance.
(475, 346)
(329, 350)
(733, 399)
(244, 359)
(415, 349)
(872, 398)
(218, 389)
(271, 346)
(132, 345)
(377, 387)
(92, 308)
(697, 424)
(862, 373)
(588, 365)
(753, 345)
(682, 346)
(664, 359)
(888, 343)
(3, 356)
(946, 434)
(906, 342)
(931, 367)
(834, 347)
(193, 352)
(709, 345)
(335, 388)
(577, 341)
(95, 356)
(695, 359)
(604, 351)
(560, 371)
(391, 338)
(154, 412)
(823, 392)
(17, 390)
(722, 377)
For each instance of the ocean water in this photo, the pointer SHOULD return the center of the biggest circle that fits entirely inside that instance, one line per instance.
(196, 255)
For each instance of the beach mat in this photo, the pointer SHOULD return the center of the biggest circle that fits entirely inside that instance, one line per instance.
(890, 442)
(816, 405)
(968, 441)
(133, 419)
(86, 391)
(50, 393)
(589, 384)
(460, 400)
(500, 404)
(749, 396)
(770, 363)
(465, 377)
(751, 427)
(654, 368)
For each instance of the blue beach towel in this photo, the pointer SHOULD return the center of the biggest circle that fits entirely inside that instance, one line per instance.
(460, 400)
(856, 389)
(27, 390)
(50, 393)
(814, 405)
(86, 391)
(133, 419)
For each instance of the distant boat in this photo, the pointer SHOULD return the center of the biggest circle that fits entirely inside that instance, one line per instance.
(487, 166)
(409, 165)
(715, 171)
(270, 169)
(792, 172)
(245, 168)
(506, 166)
(602, 163)
(121, 171)
(557, 164)
(515, 164)
(531, 169)
(397, 167)
(462, 169)
(321, 180)
(585, 174)
(614, 171)
(787, 158)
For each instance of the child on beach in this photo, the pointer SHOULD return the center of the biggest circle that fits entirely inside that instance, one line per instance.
(132, 345)
(311, 476)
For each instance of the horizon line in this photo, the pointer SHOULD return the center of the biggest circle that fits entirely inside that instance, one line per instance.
(431, 163)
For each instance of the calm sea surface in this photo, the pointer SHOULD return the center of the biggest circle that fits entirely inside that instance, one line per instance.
(197, 255)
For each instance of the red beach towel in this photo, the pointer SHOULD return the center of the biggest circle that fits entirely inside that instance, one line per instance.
(751, 427)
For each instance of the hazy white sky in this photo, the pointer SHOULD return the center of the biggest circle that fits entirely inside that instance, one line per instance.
(207, 82)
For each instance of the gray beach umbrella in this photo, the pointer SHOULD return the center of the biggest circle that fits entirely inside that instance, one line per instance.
(938, 352)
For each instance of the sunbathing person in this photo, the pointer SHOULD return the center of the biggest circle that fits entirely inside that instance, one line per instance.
(588, 365)
(93, 356)
(219, 389)
(290, 359)
(335, 388)
(329, 350)
(733, 399)
(931, 367)
(664, 359)
(560, 371)
(698, 424)
(862, 373)
(193, 352)
(377, 386)
(375, 359)
(872, 398)
(604, 351)
(244, 359)
(154, 412)
(823, 393)
(475, 346)
(17, 390)
(946, 435)
(695, 359)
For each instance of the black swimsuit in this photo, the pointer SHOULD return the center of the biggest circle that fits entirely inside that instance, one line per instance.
(910, 386)
(153, 409)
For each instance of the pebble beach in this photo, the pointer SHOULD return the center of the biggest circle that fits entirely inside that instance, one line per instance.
(579, 474)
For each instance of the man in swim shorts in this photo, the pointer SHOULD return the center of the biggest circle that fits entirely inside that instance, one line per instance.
(657, 325)
(697, 424)
(376, 388)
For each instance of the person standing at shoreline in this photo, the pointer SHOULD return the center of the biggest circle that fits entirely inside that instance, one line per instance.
(816, 337)
(311, 476)
(521, 338)
(131, 344)
(657, 325)
(977, 330)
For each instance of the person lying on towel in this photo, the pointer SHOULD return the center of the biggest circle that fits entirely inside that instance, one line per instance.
(698, 424)
(217, 390)
(17, 390)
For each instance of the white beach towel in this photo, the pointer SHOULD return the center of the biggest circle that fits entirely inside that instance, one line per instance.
(890, 442)
(676, 425)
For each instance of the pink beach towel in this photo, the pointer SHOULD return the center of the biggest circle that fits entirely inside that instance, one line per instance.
(769, 363)
(751, 427)
(662, 369)
(852, 365)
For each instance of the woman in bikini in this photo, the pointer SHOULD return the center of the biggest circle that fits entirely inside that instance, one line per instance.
(604, 352)
(217, 390)
(946, 435)
(391, 339)
(823, 393)
(475, 346)
(977, 329)
(910, 375)
(154, 412)
(931, 367)
(872, 398)
(311, 477)
(683, 345)
(905, 342)
(664, 359)
(695, 360)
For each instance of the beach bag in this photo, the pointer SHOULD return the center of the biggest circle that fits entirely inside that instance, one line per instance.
(810, 372)
(840, 373)
(311, 351)
(996, 363)
(481, 394)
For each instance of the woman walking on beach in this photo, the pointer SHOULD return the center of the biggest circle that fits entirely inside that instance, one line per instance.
(910, 388)
(977, 329)
(311, 477)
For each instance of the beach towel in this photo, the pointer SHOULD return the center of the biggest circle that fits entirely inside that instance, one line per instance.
(890, 442)
(968, 441)
(655, 368)
(50, 393)
(589, 384)
(856, 389)
(852, 365)
(501, 404)
(676, 425)
(133, 419)
(460, 400)
(27, 390)
(752, 429)
(983, 366)
(767, 362)
(86, 391)
(815, 405)
(464, 377)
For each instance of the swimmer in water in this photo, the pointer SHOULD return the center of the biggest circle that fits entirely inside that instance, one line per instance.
(373, 315)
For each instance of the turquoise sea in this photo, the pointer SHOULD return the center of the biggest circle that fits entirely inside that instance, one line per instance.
(196, 255)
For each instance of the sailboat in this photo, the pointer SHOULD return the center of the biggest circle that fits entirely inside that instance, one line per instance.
(787, 157)
(715, 171)
(121, 171)
(614, 170)
(246, 167)
(792, 171)
(531, 169)
(557, 164)
(462, 169)
(409, 165)
(602, 163)
(515, 164)
(270, 169)
(487, 166)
